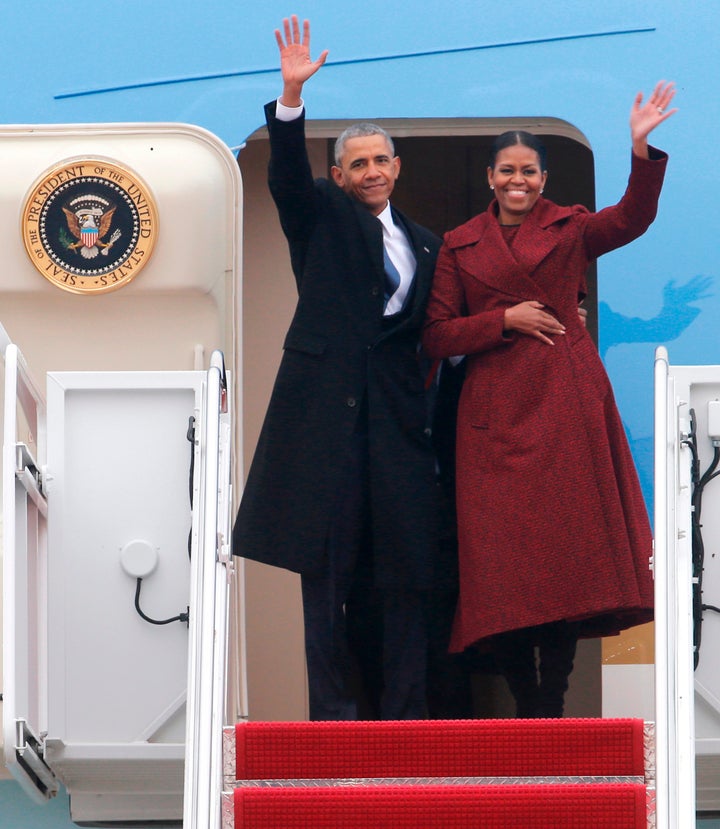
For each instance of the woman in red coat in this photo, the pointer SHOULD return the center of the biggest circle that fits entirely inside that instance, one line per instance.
(554, 538)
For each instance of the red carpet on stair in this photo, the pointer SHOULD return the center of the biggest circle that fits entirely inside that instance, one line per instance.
(440, 748)
(597, 806)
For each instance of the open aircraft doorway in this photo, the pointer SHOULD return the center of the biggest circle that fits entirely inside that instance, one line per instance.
(443, 183)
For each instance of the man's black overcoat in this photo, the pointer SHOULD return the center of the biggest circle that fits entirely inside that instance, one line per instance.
(342, 362)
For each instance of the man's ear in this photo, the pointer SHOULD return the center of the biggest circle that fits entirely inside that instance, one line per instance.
(337, 175)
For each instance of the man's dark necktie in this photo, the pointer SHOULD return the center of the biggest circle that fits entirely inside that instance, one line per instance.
(392, 276)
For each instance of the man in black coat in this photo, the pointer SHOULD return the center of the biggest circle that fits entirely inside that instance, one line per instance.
(342, 488)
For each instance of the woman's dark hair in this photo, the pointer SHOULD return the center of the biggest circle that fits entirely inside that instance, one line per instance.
(512, 137)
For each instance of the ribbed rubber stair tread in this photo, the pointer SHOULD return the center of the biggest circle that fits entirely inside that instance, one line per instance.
(440, 748)
(598, 806)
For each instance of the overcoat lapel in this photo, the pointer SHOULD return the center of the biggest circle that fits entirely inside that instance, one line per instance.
(424, 267)
(371, 231)
(538, 234)
(484, 255)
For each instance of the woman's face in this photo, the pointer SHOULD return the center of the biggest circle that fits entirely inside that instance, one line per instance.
(517, 180)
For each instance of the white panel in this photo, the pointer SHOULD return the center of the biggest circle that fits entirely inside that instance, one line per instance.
(119, 462)
(119, 471)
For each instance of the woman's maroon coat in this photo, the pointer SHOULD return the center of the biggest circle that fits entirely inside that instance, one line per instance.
(551, 520)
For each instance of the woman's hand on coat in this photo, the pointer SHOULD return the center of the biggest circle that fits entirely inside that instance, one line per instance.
(530, 318)
(644, 117)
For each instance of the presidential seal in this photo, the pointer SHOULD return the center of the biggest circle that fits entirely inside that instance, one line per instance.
(89, 225)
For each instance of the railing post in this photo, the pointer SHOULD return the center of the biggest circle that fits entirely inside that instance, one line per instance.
(672, 567)
(209, 594)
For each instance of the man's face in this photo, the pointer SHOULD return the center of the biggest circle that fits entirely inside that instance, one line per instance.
(367, 171)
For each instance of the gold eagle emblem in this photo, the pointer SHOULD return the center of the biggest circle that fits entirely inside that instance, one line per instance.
(90, 225)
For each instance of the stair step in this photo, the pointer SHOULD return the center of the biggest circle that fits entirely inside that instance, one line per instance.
(598, 806)
(438, 749)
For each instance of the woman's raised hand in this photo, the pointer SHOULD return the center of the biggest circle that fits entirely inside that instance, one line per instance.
(644, 117)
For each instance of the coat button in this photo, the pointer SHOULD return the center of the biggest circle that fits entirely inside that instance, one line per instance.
(352, 402)
(374, 290)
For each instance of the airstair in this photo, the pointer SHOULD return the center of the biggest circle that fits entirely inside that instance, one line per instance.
(554, 773)
(577, 773)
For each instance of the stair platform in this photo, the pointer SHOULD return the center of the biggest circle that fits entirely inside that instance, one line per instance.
(554, 773)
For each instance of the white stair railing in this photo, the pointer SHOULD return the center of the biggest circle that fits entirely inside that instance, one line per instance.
(672, 566)
(211, 579)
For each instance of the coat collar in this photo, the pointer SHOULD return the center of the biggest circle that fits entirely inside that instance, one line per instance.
(543, 214)
(424, 266)
(482, 252)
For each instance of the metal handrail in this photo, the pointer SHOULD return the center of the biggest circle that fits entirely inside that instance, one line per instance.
(672, 567)
(211, 577)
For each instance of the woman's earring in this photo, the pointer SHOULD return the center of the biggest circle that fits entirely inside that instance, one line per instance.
(492, 186)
